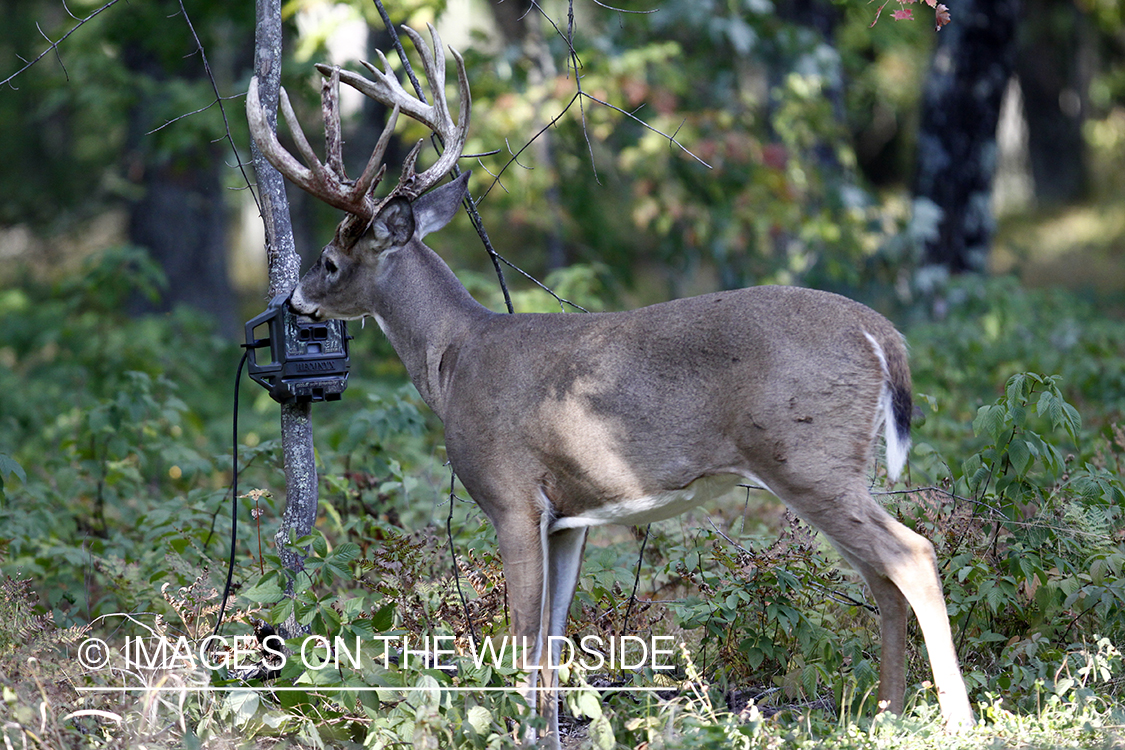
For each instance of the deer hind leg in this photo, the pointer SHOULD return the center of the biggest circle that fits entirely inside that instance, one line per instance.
(898, 565)
(893, 611)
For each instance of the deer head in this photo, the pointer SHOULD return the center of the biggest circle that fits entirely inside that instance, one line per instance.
(371, 225)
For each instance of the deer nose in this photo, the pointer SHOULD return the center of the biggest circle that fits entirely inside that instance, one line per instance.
(295, 306)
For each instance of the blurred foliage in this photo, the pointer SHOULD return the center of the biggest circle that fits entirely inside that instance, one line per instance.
(115, 463)
(759, 97)
(114, 434)
(76, 128)
(797, 108)
(754, 96)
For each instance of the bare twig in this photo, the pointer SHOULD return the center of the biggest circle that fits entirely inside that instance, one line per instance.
(636, 581)
(836, 596)
(670, 138)
(453, 553)
(53, 46)
(218, 100)
(623, 10)
(561, 300)
(470, 204)
(526, 146)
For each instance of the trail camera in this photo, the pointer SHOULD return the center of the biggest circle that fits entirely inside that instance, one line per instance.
(308, 361)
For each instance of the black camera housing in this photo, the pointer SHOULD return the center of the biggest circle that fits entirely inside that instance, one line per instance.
(308, 359)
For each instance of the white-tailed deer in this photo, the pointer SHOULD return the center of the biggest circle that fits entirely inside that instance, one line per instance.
(559, 422)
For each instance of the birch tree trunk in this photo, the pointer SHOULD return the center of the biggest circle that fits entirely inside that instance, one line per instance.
(284, 272)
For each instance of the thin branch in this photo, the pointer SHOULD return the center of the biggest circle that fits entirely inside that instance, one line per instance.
(578, 96)
(515, 156)
(636, 581)
(947, 493)
(397, 44)
(561, 300)
(470, 204)
(837, 596)
(623, 10)
(1002, 516)
(69, 12)
(185, 115)
(642, 123)
(527, 145)
(453, 553)
(490, 173)
(54, 45)
(218, 100)
(575, 63)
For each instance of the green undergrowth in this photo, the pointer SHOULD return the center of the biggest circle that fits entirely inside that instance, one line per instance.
(114, 500)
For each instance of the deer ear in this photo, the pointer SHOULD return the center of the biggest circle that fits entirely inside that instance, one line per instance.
(436, 208)
(394, 226)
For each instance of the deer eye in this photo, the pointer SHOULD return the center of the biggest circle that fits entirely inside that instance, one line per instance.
(329, 266)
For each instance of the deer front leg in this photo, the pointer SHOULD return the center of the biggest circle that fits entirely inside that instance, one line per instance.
(522, 535)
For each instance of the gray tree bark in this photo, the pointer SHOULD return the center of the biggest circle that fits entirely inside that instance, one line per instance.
(284, 272)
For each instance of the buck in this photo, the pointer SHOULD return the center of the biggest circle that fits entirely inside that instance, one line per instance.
(559, 422)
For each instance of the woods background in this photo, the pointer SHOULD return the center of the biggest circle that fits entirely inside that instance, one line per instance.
(968, 183)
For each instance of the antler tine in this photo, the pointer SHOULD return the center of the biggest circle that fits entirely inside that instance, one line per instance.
(267, 141)
(454, 135)
(299, 139)
(315, 179)
(330, 107)
(384, 87)
(373, 172)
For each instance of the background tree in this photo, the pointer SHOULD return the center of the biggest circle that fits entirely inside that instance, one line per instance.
(968, 76)
(115, 428)
(100, 141)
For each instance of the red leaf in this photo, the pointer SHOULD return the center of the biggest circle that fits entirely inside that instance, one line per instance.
(906, 14)
(941, 17)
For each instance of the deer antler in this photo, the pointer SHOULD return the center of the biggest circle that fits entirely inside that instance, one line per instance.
(329, 182)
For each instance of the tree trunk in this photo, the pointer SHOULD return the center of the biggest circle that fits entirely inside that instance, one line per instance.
(181, 216)
(182, 220)
(284, 271)
(1052, 65)
(957, 139)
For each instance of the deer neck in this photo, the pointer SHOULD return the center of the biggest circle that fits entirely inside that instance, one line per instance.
(425, 312)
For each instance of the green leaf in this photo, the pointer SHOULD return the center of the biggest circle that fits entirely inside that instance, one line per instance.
(1072, 420)
(346, 552)
(480, 719)
(282, 611)
(1020, 455)
(990, 422)
(244, 704)
(588, 704)
(267, 590)
(1015, 389)
(8, 466)
(320, 545)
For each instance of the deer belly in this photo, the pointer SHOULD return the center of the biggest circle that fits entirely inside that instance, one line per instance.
(655, 507)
